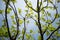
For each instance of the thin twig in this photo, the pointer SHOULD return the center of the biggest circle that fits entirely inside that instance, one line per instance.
(17, 21)
(24, 29)
(30, 6)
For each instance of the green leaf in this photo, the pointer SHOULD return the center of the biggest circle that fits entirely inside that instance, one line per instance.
(9, 10)
(43, 19)
(3, 20)
(58, 23)
(57, 15)
(57, 34)
(20, 37)
(26, 6)
(30, 9)
(47, 7)
(28, 21)
(31, 12)
(36, 16)
(31, 31)
(39, 37)
(49, 0)
(54, 39)
(13, 22)
(3, 32)
(26, 10)
(47, 33)
(45, 0)
(28, 15)
(1, 11)
(48, 14)
(12, 27)
(29, 4)
(48, 21)
(36, 23)
(19, 10)
(58, 1)
(4, 0)
(44, 28)
(14, 31)
(22, 31)
(20, 21)
(28, 36)
(49, 39)
(12, 17)
(51, 28)
(14, 1)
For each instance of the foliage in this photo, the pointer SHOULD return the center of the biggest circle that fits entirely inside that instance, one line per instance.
(44, 20)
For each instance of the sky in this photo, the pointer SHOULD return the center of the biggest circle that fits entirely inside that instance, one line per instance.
(21, 4)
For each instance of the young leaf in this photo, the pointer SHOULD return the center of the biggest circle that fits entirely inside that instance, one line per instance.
(26, 10)
(14, 1)
(28, 21)
(1, 11)
(12, 17)
(28, 36)
(13, 22)
(39, 37)
(20, 21)
(9, 10)
(19, 10)
(48, 14)
(31, 31)
(47, 33)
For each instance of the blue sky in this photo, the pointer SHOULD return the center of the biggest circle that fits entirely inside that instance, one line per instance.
(21, 4)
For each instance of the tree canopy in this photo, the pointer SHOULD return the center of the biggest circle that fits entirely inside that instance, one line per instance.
(44, 16)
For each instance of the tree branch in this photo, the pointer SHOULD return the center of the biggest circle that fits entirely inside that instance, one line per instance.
(39, 24)
(53, 32)
(54, 18)
(55, 15)
(24, 29)
(7, 24)
(45, 6)
(30, 6)
(17, 21)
